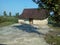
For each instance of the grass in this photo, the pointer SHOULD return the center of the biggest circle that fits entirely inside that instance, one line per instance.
(55, 29)
(4, 21)
(6, 24)
(52, 37)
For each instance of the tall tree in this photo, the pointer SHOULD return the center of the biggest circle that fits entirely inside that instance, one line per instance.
(5, 14)
(17, 14)
(10, 14)
(51, 5)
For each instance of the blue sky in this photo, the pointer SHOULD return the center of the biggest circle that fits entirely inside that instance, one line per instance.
(15, 6)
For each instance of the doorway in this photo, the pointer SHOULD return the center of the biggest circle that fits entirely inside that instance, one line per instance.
(31, 20)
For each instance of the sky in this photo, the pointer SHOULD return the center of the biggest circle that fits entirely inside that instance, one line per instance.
(15, 6)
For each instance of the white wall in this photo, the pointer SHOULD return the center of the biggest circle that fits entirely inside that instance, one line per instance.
(41, 22)
(26, 21)
(20, 21)
(23, 21)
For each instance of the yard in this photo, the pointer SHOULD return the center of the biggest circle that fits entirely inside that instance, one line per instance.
(23, 34)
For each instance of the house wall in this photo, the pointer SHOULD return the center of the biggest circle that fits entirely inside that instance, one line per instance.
(26, 21)
(38, 22)
(20, 21)
(41, 22)
(23, 21)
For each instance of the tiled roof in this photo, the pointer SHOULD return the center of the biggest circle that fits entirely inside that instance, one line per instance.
(34, 13)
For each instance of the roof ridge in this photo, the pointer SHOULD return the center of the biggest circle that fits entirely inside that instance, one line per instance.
(30, 8)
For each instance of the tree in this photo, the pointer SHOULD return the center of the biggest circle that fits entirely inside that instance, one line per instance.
(17, 14)
(10, 14)
(51, 5)
(5, 14)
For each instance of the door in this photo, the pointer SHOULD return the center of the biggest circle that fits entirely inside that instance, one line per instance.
(31, 20)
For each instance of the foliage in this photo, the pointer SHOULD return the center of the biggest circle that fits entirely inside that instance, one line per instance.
(17, 14)
(53, 36)
(4, 13)
(51, 5)
(2, 19)
(51, 21)
(52, 39)
(8, 19)
(10, 14)
(6, 23)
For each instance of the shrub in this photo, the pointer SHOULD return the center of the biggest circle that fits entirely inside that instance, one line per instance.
(8, 19)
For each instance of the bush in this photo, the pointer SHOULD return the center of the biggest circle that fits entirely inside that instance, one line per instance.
(53, 22)
(8, 19)
(2, 19)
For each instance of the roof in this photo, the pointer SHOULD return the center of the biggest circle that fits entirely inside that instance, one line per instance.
(34, 13)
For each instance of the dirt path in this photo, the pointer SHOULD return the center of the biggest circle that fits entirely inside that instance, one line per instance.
(24, 34)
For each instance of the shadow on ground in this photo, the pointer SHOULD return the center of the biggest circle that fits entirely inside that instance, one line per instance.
(2, 44)
(29, 28)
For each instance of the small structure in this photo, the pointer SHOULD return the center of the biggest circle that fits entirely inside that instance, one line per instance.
(34, 16)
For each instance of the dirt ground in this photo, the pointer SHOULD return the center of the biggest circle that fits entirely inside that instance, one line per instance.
(23, 34)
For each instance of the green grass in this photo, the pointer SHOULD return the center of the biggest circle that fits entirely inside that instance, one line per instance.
(56, 29)
(4, 21)
(6, 24)
(52, 37)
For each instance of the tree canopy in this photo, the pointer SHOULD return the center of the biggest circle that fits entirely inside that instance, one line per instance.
(4, 13)
(17, 14)
(10, 14)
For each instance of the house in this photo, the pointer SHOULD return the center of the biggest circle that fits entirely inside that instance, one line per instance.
(34, 16)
